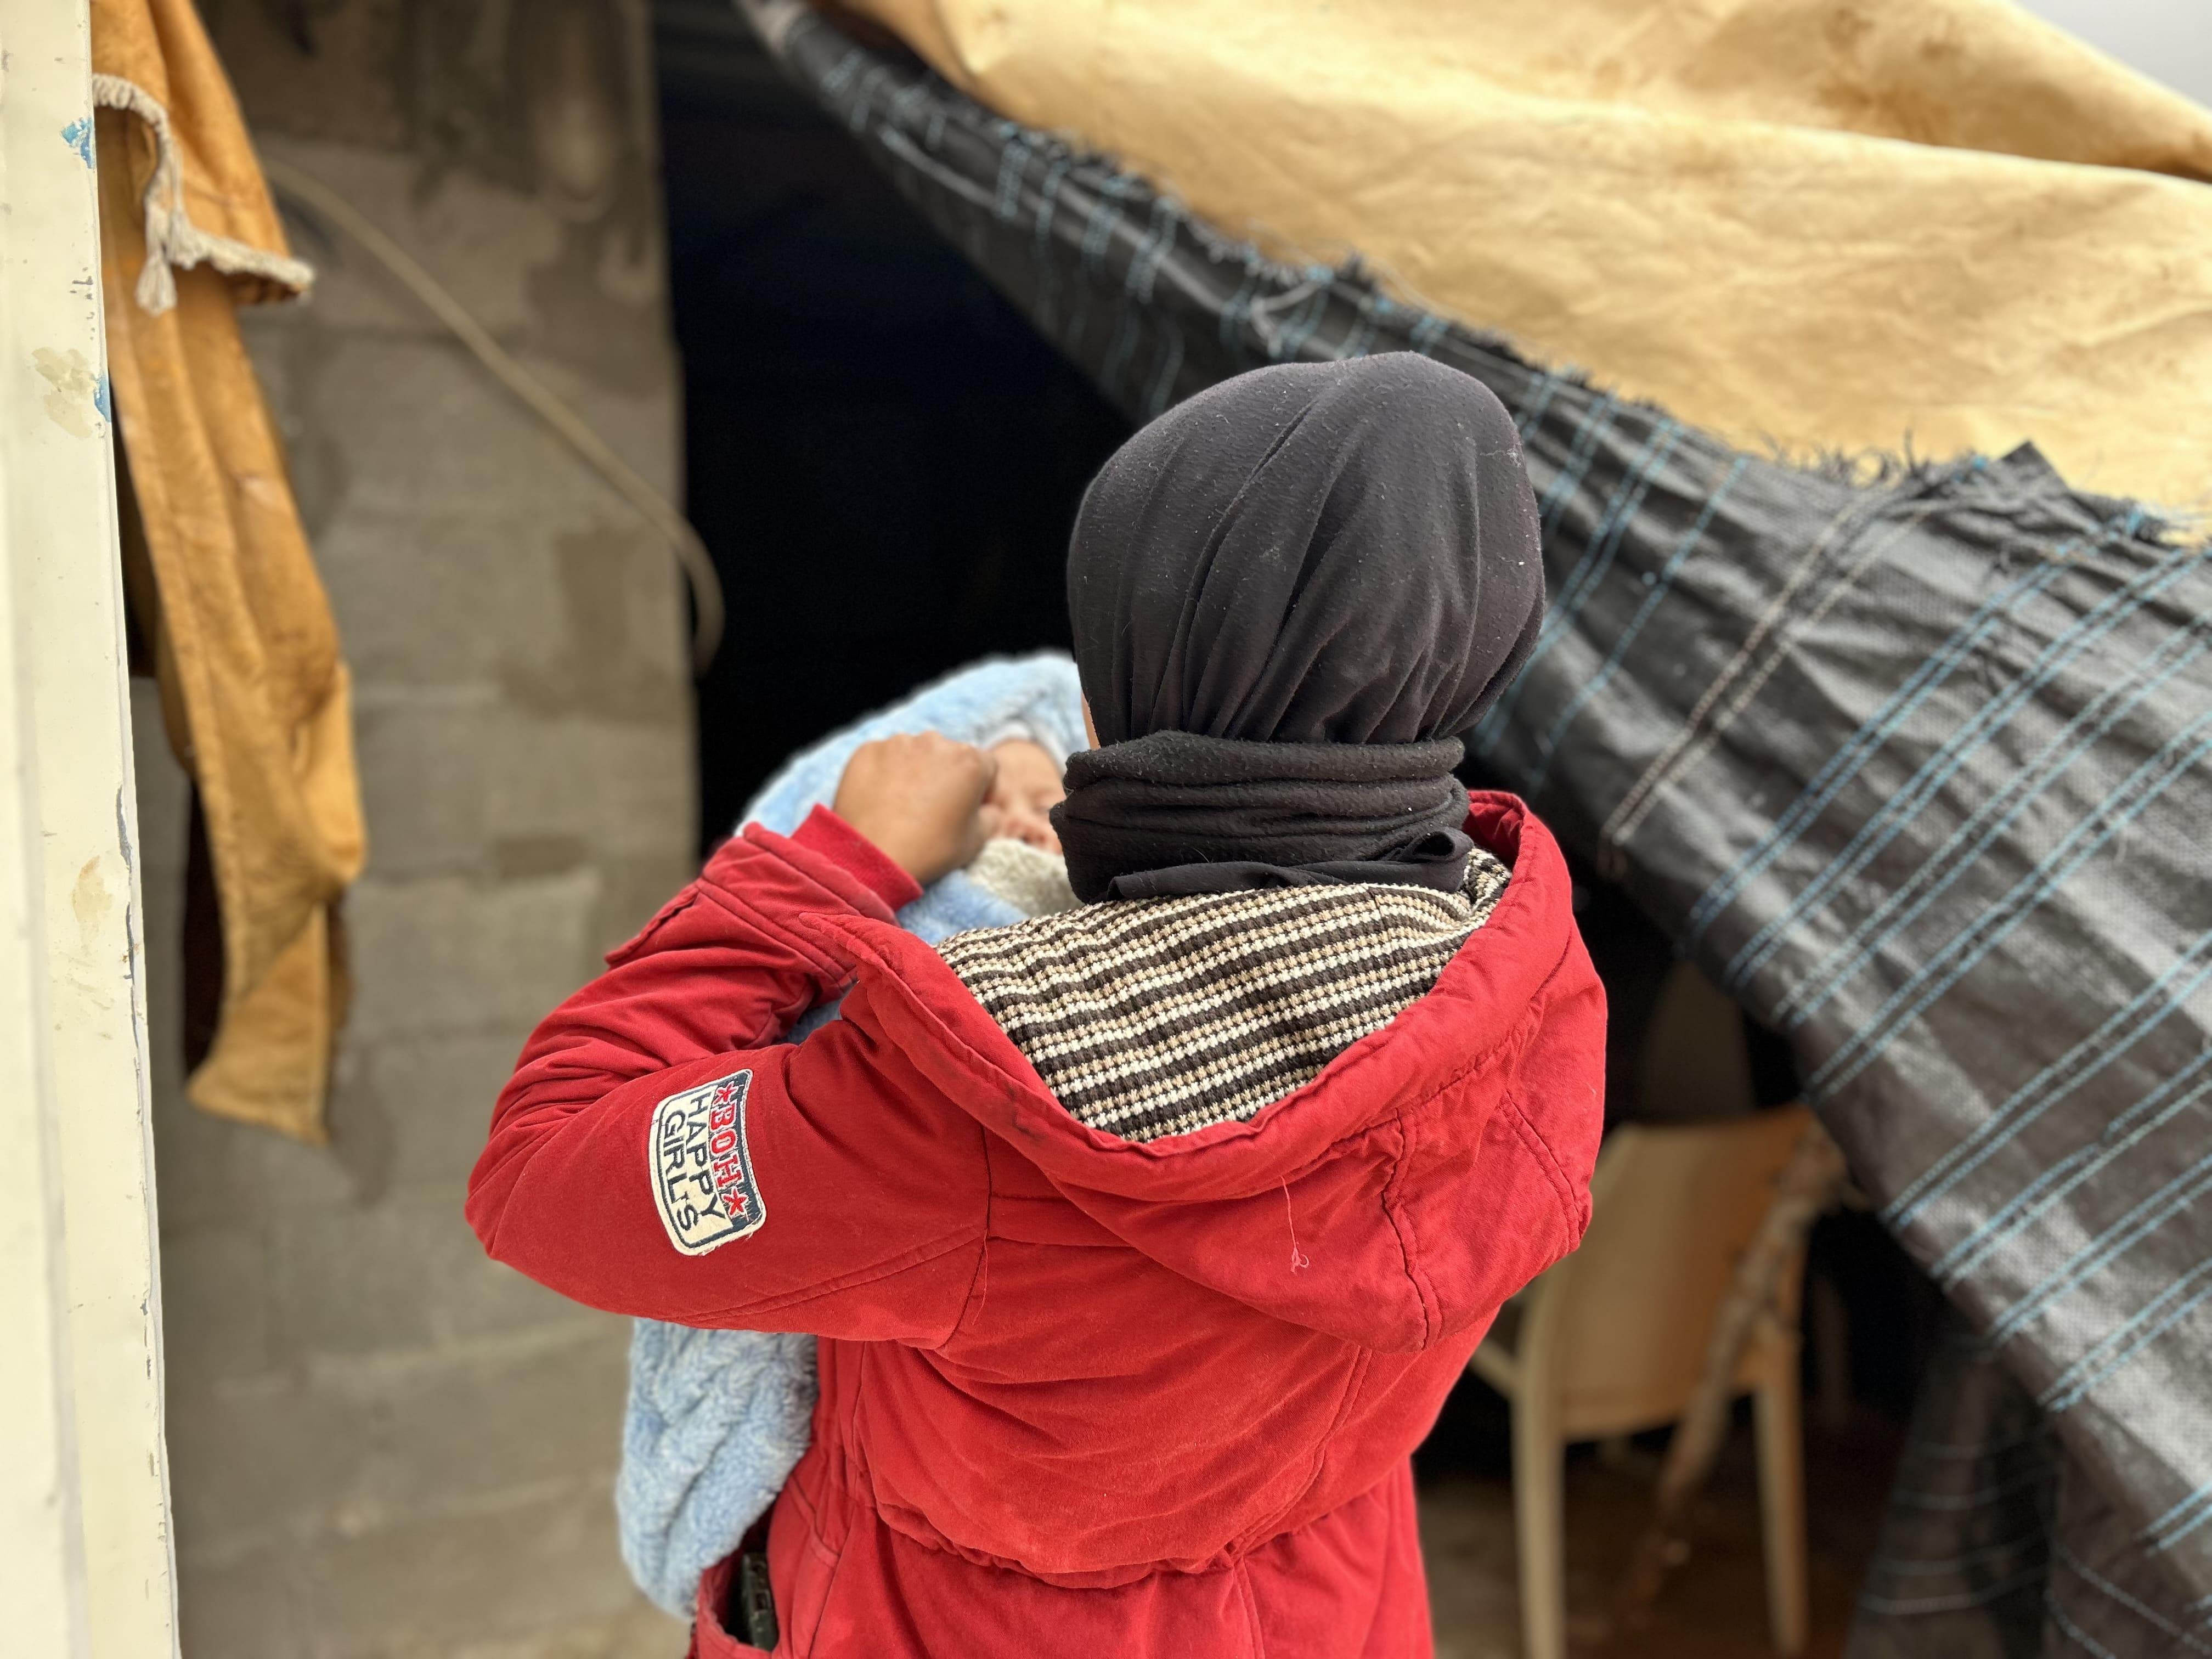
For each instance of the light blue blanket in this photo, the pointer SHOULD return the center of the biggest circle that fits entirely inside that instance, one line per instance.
(717, 1420)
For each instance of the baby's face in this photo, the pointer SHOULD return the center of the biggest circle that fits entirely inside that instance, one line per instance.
(1027, 789)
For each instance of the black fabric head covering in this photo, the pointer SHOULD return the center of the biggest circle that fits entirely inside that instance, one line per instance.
(1290, 594)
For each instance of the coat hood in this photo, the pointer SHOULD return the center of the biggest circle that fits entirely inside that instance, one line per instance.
(1367, 1203)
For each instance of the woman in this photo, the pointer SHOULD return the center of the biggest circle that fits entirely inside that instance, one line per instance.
(1144, 1240)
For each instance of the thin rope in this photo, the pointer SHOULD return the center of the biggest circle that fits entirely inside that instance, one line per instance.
(1299, 1259)
(691, 555)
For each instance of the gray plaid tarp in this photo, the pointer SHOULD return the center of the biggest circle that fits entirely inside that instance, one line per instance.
(1914, 764)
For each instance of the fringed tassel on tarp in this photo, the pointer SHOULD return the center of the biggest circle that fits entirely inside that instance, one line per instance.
(174, 242)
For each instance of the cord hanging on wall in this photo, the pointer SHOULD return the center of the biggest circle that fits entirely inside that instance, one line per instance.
(708, 609)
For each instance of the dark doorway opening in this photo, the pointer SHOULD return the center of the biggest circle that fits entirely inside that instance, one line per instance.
(881, 455)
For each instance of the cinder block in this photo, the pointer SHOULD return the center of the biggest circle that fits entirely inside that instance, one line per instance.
(206, 1172)
(450, 955)
(353, 1445)
(343, 75)
(480, 239)
(407, 1274)
(215, 1302)
(423, 432)
(256, 1462)
(423, 601)
(456, 535)
(240, 1605)
(586, 619)
(498, 1418)
(429, 758)
(212, 1172)
(434, 1583)
(622, 395)
(411, 1114)
(620, 650)
(630, 892)
(427, 600)
(250, 1602)
(458, 782)
(639, 1631)
(616, 787)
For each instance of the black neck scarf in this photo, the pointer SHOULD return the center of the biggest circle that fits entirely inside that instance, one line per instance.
(1290, 594)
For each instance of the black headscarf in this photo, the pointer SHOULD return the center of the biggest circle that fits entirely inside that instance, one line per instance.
(1290, 595)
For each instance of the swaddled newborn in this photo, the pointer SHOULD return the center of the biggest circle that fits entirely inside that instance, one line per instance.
(717, 1420)
(1020, 862)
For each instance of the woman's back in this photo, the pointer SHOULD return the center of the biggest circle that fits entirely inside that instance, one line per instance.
(1181, 1346)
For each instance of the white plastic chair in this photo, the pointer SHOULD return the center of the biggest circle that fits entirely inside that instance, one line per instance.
(1610, 1342)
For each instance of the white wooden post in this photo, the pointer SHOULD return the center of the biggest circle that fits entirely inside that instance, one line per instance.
(85, 1567)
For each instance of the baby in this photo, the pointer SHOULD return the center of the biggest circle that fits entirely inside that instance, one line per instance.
(1004, 792)
(1018, 805)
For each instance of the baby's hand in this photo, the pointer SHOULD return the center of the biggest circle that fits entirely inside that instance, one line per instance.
(920, 799)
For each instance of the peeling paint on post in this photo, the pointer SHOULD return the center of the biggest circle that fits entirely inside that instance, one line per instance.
(77, 401)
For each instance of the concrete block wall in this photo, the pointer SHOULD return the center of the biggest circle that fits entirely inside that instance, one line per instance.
(383, 1446)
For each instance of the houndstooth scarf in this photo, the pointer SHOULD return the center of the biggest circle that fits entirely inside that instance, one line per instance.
(1155, 1017)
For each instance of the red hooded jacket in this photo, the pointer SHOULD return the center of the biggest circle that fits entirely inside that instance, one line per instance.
(1080, 1395)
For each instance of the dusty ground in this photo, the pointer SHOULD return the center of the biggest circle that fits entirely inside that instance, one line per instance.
(1714, 1606)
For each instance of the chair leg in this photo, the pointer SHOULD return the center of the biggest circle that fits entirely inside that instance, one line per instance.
(1828, 1322)
(1538, 1479)
(1782, 1498)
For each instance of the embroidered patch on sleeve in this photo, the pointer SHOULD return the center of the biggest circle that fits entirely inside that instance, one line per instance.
(703, 1170)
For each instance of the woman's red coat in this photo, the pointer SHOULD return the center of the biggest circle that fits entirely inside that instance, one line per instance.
(1079, 1396)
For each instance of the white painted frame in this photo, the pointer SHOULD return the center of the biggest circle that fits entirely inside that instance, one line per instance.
(85, 1551)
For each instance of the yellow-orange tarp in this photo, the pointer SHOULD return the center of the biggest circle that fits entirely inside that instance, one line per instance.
(253, 687)
(1819, 224)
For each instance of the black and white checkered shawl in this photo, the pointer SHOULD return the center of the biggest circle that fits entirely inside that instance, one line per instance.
(1155, 1017)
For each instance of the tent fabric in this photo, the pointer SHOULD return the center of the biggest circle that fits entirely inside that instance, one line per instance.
(1962, 1566)
(1912, 761)
(1829, 224)
(253, 688)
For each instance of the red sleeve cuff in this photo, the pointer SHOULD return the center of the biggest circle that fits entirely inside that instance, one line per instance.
(827, 834)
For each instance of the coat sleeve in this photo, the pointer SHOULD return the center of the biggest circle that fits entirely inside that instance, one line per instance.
(658, 1151)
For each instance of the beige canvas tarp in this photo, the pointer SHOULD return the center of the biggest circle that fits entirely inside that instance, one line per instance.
(1822, 225)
